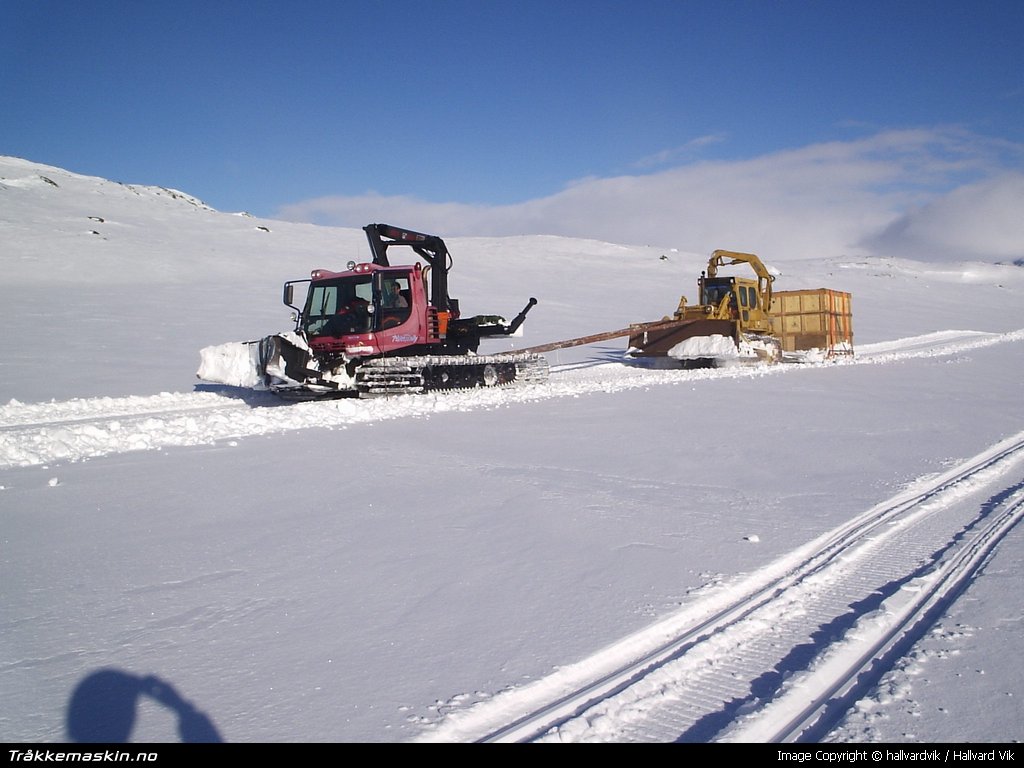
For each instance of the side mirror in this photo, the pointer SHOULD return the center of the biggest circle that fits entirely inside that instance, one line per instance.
(288, 294)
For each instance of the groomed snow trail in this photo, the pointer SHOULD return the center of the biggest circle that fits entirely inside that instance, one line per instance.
(782, 654)
(73, 430)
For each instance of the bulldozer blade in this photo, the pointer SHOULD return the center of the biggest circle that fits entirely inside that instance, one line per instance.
(662, 340)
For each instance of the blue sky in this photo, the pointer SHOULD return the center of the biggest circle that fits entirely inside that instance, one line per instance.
(636, 121)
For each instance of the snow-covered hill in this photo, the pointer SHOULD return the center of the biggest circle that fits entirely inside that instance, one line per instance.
(432, 567)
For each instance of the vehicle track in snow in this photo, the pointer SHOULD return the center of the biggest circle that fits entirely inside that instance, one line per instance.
(783, 653)
(73, 430)
(39, 415)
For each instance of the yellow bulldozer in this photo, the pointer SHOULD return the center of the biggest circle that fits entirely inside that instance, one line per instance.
(741, 319)
(737, 319)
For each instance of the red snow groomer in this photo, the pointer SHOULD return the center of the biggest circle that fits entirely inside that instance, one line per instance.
(377, 328)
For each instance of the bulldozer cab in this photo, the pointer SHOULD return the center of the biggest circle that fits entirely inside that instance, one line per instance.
(714, 291)
(737, 299)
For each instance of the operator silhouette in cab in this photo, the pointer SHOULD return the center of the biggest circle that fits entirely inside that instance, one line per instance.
(394, 306)
(393, 298)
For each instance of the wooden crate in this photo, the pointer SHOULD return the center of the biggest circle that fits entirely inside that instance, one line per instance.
(817, 319)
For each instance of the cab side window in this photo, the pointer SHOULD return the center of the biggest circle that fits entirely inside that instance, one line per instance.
(395, 301)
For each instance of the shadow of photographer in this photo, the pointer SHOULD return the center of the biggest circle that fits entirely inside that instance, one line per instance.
(103, 709)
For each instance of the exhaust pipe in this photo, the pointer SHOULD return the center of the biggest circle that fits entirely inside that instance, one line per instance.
(520, 318)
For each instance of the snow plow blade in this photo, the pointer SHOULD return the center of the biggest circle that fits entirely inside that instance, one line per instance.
(683, 339)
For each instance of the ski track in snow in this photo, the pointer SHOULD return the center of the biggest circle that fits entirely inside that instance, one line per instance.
(783, 653)
(74, 430)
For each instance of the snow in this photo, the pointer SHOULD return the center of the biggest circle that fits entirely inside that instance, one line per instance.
(713, 346)
(185, 561)
(234, 363)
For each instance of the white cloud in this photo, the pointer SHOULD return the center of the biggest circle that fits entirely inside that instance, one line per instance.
(986, 218)
(894, 191)
(675, 154)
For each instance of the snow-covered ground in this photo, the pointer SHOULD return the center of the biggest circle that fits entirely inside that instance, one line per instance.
(183, 560)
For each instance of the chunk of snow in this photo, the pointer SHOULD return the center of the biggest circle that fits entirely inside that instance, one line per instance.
(697, 347)
(235, 363)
